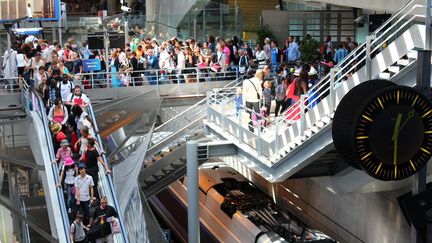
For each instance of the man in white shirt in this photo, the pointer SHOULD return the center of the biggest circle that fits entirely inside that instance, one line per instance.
(77, 98)
(37, 62)
(252, 94)
(84, 191)
(10, 66)
(65, 87)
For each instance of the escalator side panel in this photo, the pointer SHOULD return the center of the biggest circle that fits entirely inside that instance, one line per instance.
(40, 149)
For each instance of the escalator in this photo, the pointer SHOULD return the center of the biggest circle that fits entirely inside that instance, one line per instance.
(40, 141)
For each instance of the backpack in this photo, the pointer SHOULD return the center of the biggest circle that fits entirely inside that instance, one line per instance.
(59, 85)
(141, 64)
(280, 92)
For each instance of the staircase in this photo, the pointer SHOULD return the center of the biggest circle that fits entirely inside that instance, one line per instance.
(286, 147)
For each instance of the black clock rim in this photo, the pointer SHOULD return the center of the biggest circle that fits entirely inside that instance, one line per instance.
(366, 103)
(345, 117)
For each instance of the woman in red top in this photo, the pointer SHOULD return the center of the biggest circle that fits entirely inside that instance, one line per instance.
(295, 90)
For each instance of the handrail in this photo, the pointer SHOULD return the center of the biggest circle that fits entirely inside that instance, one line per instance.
(155, 77)
(42, 115)
(392, 17)
(110, 182)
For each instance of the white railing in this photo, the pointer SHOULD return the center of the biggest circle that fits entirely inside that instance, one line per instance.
(184, 121)
(266, 139)
(158, 77)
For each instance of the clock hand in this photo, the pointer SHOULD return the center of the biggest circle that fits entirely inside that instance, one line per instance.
(410, 115)
(395, 137)
(397, 126)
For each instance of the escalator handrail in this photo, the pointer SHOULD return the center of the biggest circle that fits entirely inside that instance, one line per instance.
(110, 181)
(44, 119)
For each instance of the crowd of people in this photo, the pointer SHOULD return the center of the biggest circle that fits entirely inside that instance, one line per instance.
(49, 69)
(150, 61)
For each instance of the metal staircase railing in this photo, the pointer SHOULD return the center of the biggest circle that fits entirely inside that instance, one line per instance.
(313, 113)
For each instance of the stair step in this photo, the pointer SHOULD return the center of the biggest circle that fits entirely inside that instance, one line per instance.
(403, 62)
(326, 119)
(320, 124)
(384, 75)
(178, 163)
(412, 54)
(314, 129)
(168, 170)
(159, 175)
(149, 182)
(394, 69)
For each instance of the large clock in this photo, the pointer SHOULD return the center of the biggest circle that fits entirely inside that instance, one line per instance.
(384, 129)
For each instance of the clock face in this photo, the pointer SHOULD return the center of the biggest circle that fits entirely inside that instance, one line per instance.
(393, 134)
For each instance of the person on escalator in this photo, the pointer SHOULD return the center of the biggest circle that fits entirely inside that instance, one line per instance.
(78, 98)
(69, 169)
(63, 153)
(91, 157)
(81, 118)
(101, 219)
(58, 113)
(84, 193)
(82, 142)
(78, 230)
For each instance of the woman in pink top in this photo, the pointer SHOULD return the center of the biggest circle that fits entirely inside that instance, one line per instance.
(58, 113)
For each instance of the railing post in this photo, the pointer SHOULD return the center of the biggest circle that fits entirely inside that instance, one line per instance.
(197, 80)
(259, 139)
(223, 113)
(368, 67)
(209, 96)
(240, 133)
(193, 191)
(303, 99)
(427, 25)
(332, 95)
(92, 81)
(276, 141)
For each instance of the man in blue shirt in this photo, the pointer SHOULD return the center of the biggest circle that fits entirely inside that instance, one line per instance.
(275, 56)
(292, 52)
(340, 54)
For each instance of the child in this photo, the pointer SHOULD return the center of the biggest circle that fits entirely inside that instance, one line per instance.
(239, 101)
(268, 97)
(68, 169)
(63, 153)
